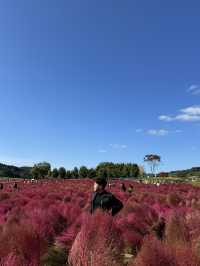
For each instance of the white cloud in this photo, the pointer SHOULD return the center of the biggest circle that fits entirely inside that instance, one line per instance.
(194, 89)
(123, 146)
(192, 110)
(118, 146)
(102, 151)
(189, 114)
(166, 118)
(187, 117)
(139, 130)
(157, 132)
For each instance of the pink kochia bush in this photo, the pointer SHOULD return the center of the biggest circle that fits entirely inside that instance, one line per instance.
(156, 253)
(177, 230)
(20, 243)
(54, 215)
(136, 221)
(73, 225)
(97, 243)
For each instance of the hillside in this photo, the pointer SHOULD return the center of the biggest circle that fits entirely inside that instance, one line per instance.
(14, 171)
(194, 171)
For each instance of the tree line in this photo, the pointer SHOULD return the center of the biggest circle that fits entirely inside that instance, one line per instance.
(105, 169)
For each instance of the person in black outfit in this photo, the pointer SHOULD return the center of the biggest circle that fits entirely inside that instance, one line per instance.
(101, 199)
(123, 187)
(1, 186)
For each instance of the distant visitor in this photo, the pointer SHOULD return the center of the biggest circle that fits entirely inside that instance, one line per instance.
(130, 189)
(15, 186)
(123, 187)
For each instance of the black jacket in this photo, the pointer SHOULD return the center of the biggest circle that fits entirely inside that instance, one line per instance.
(106, 201)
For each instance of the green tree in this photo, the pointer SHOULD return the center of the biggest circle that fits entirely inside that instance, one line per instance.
(110, 170)
(41, 170)
(68, 174)
(153, 160)
(134, 171)
(92, 173)
(102, 173)
(83, 172)
(44, 168)
(35, 172)
(62, 172)
(75, 173)
(125, 171)
(55, 173)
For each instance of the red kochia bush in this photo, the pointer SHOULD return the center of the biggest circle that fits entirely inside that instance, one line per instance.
(193, 223)
(12, 260)
(20, 242)
(4, 196)
(157, 253)
(185, 256)
(177, 230)
(66, 239)
(15, 260)
(154, 253)
(173, 199)
(135, 221)
(46, 222)
(69, 211)
(98, 243)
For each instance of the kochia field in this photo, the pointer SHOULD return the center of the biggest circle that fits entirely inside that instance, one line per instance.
(49, 223)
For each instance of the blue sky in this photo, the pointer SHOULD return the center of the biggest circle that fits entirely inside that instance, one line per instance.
(83, 82)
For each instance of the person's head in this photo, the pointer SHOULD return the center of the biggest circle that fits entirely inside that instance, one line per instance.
(100, 184)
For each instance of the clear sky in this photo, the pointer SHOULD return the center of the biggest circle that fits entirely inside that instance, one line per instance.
(83, 82)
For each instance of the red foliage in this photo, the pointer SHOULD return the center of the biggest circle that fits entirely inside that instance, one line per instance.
(185, 256)
(177, 230)
(173, 199)
(154, 253)
(98, 242)
(52, 212)
(4, 196)
(21, 243)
